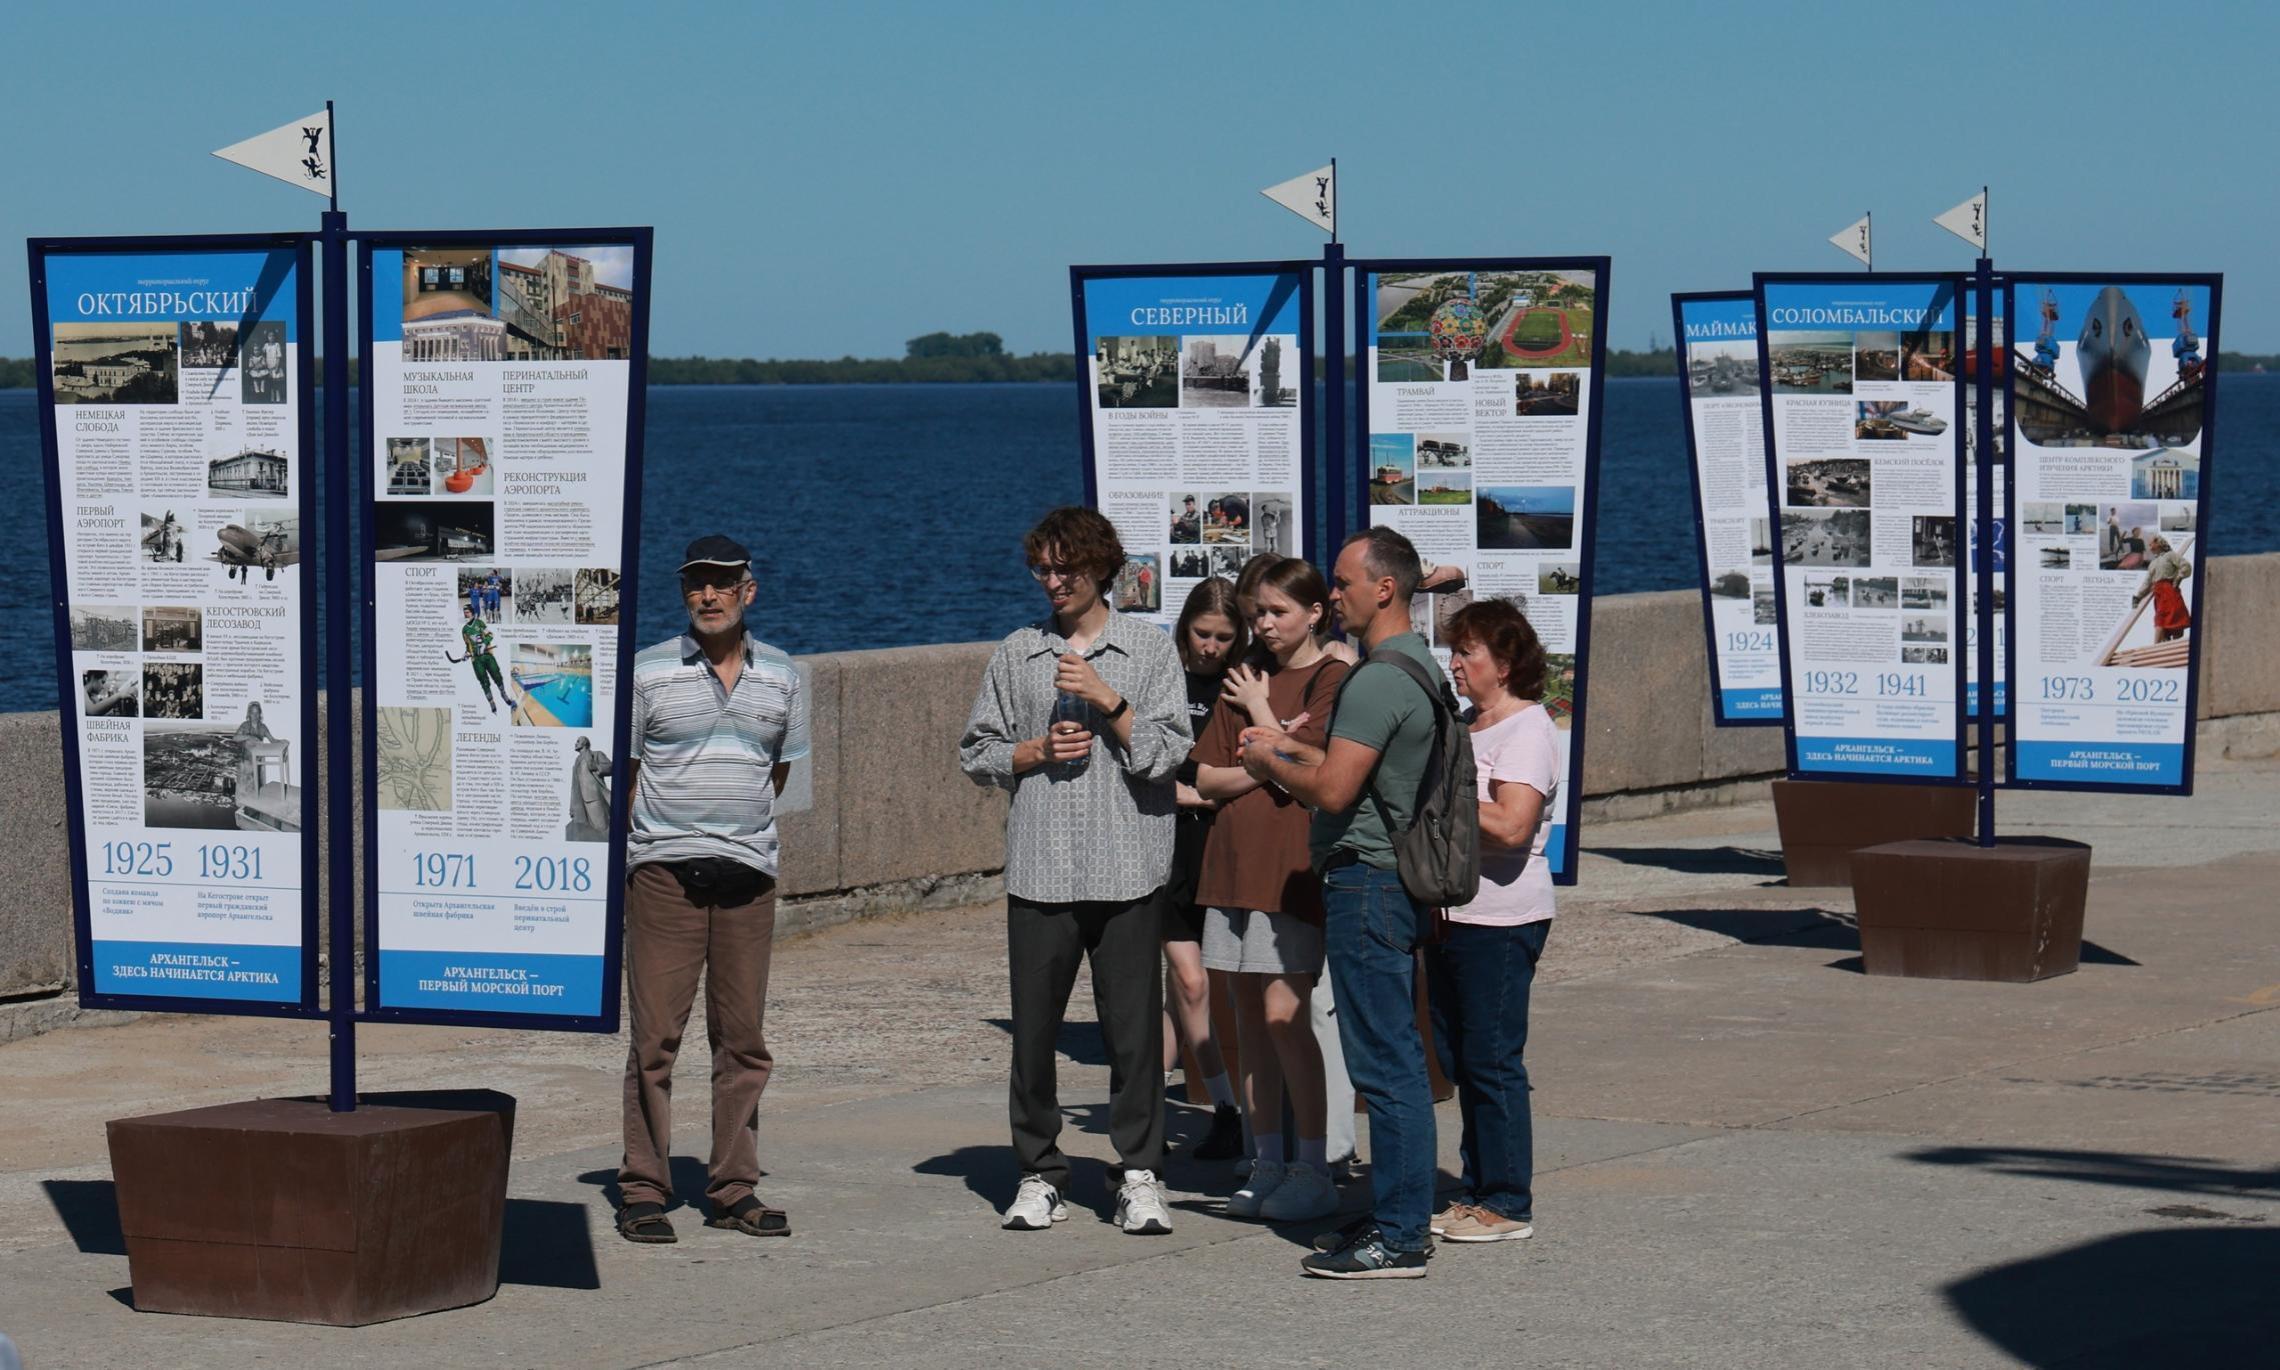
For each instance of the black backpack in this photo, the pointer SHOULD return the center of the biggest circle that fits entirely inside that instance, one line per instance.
(1438, 854)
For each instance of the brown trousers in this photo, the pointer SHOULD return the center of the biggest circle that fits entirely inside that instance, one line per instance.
(668, 941)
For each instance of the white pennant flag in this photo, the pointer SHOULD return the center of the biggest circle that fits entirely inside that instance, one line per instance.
(300, 152)
(1313, 197)
(1968, 220)
(1854, 240)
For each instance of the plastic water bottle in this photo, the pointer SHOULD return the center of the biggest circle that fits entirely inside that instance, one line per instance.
(1067, 708)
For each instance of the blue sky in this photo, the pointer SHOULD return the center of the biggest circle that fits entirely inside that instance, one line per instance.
(827, 180)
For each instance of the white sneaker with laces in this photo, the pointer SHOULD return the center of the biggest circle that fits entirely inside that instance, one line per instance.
(1266, 1176)
(1140, 1204)
(1036, 1206)
(1304, 1193)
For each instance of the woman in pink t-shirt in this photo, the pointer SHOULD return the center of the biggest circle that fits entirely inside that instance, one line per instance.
(1479, 975)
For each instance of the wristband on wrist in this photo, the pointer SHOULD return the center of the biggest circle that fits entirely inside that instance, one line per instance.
(1123, 706)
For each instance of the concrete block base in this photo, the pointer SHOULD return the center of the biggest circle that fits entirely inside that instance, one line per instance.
(1952, 910)
(281, 1209)
(1823, 822)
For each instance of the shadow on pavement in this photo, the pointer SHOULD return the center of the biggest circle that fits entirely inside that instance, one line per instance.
(547, 1244)
(1701, 860)
(2187, 1296)
(1080, 1042)
(2173, 1174)
(89, 1210)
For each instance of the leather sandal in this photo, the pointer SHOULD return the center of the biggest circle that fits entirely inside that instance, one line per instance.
(645, 1223)
(752, 1218)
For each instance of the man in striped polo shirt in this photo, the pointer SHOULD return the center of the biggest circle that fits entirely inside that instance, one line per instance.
(718, 718)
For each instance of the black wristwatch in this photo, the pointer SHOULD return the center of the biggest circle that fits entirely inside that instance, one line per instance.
(1123, 706)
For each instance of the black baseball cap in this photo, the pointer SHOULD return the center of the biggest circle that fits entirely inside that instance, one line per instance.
(716, 550)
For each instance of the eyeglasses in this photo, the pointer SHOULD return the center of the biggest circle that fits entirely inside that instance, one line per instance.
(1043, 573)
(695, 587)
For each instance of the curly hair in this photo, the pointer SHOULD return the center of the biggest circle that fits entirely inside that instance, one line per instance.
(1498, 625)
(1082, 538)
(1213, 596)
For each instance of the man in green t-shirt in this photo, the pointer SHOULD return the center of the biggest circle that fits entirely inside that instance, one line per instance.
(477, 635)
(1363, 788)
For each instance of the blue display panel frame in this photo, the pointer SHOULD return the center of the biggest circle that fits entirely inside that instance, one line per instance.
(1766, 707)
(296, 250)
(1564, 855)
(1293, 285)
(1956, 286)
(2013, 286)
(608, 971)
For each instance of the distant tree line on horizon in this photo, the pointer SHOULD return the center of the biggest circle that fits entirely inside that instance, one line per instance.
(951, 359)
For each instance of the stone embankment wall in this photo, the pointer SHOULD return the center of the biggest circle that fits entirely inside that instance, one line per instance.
(883, 821)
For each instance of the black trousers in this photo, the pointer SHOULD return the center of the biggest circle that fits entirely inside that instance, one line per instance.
(1044, 943)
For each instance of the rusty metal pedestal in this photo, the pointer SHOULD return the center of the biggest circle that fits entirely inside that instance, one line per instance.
(1951, 910)
(284, 1210)
(1823, 822)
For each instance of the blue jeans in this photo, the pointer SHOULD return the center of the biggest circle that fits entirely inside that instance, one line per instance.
(1372, 935)
(1479, 978)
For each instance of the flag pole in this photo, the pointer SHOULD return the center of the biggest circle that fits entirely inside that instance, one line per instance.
(340, 830)
(1334, 361)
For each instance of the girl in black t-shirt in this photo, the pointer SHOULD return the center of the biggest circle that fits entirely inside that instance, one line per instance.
(1210, 636)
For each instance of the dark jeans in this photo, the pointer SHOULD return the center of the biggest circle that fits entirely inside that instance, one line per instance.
(1479, 978)
(1372, 936)
(1044, 943)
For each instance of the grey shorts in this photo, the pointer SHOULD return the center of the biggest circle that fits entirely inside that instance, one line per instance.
(1249, 941)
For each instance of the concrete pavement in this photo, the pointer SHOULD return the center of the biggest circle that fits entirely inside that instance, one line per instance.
(1750, 1153)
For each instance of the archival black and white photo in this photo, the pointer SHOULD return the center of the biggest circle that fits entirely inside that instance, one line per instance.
(261, 369)
(407, 468)
(1765, 610)
(1443, 452)
(117, 363)
(1827, 591)
(190, 775)
(2057, 559)
(248, 472)
(1924, 656)
(1923, 628)
(1566, 578)
(2043, 518)
(1190, 563)
(173, 628)
(1876, 592)
(1272, 528)
(1217, 373)
(1761, 542)
(589, 789)
(174, 689)
(105, 628)
(111, 694)
(1932, 540)
(1828, 483)
(544, 596)
(1926, 593)
(597, 595)
(259, 540)
(209, 346)
(434, 530)
(1734, 584)
(1228, 561)
(1825, 537)
(1137, 372)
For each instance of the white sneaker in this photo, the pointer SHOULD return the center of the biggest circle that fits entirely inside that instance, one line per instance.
(1140, 1204)
(1266, 1176)
(1304, 1193)
(1036, 1206)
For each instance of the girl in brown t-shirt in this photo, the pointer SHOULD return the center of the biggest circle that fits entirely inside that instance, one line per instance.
(1263, 902)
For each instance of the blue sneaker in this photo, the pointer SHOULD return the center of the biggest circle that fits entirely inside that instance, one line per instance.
(1367, 1257)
